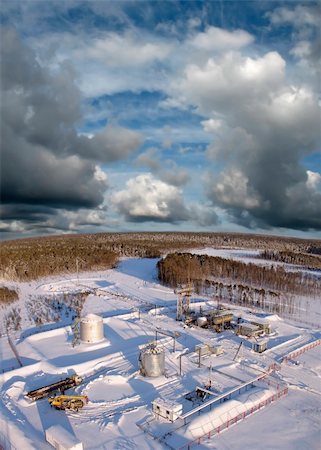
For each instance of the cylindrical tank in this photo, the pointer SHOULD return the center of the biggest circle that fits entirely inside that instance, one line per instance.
(152, 360)
(201, 321)
(91, 329)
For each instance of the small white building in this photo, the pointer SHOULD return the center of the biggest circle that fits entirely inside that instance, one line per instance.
(167, 409)
(61, 439)
(260, 346)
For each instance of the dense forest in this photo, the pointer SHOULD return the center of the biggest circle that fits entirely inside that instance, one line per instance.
(303, 259)
(180, 268)
(27, 259)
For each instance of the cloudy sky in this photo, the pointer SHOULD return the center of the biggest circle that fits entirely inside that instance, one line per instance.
(160, 115)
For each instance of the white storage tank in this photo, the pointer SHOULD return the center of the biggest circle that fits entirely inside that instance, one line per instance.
(201, 321)
(152, 360)
(91, 329)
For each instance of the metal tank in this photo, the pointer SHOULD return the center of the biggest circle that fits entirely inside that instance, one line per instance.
(91, 329)
(152, 360)
(201, 321)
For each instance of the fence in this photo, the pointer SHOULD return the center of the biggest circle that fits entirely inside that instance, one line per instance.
(300, 351)
(234, 420)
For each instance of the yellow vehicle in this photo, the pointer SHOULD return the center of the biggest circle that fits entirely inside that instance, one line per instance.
(74, 402)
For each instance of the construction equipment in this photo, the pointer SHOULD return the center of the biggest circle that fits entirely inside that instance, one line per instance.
(60, 386)
(74, 402)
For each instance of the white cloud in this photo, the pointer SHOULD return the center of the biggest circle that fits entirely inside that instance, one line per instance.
(214, 39)
(212, 125)
(126, 50)
(313, 180)
(223, 82)
(147, 198)
(100, 175)
(304, 39)
(298, 16)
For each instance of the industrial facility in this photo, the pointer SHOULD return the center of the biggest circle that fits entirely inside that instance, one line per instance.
(166, 369)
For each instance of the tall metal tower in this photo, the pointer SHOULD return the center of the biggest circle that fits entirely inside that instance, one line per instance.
(183, 301)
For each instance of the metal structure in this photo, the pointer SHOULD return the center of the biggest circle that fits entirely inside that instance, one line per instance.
(220, 321)
(238, 351)
(248, 329)
(172, 334)
(152, 360)
(59, 386)
(202, 349)
(183, 301)
(263, 325)
(223, 397)
(76, 332)
(91, 329)
(201, 321)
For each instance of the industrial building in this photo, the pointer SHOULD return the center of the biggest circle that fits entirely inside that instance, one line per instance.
(167, 409)
(218, 320)
(263, 324)
(248, 329)
(260, 346)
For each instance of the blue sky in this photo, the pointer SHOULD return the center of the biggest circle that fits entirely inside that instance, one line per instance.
(160, 115)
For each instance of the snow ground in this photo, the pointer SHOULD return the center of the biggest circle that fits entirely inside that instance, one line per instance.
(120, 398)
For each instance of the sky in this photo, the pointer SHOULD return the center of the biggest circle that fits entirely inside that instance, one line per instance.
(160, 115)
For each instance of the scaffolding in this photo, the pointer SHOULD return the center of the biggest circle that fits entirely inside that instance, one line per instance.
(183, 301)
(76, 332)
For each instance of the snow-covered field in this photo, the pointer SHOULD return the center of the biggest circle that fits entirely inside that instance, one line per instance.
(118, 415)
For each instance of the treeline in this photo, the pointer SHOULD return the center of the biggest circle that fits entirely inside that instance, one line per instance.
(247, 296)
(32, 258)
(314, 249)
(303, 259)
(28, 260)
(180, 268)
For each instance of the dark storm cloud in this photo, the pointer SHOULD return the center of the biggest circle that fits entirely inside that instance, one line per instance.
(44, 161)
(264, 127)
